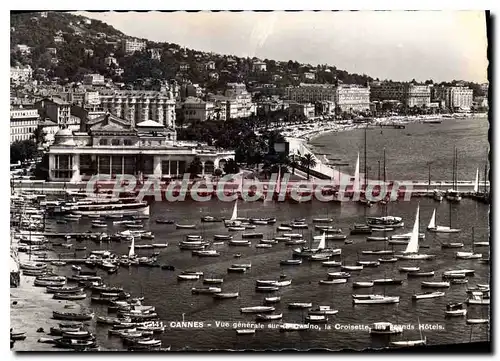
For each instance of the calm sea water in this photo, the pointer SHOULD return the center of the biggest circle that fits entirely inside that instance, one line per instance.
(408, 151)
(407, 157)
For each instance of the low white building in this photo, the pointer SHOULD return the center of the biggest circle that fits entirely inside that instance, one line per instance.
(115, 146)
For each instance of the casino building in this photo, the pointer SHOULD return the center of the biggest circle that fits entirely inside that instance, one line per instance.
(112, 145)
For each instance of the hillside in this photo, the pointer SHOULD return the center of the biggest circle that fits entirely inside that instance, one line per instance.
(82, 47)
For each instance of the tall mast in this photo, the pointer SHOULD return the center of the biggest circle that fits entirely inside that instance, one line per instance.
(385, 180)
(485, 173)
(366, 173)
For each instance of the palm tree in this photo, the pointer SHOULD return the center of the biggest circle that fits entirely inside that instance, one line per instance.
(309, 162)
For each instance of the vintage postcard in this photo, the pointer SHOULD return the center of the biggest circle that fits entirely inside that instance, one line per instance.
(196, 181)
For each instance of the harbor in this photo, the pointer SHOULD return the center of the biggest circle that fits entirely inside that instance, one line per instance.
(244, 249)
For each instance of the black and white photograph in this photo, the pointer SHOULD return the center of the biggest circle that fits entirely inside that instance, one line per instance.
(251, 180)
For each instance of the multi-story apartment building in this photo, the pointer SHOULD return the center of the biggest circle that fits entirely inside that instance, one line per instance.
(197, 110)
(58, 110)
(130, 46)
(352, 98)
(380, 91)
(93, 79)
(454, 97)
(239, 101)
(311, 93)
(411, 95)
(417, 95)
(23, 122)
(21, 74)
(140, 105)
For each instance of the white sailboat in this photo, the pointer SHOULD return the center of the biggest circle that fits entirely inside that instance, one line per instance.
(411, 251)
(356, 186)
(476, 183)
(234, 216)
(131, 251)
(469, 255)
(233, 221)
(432, 227)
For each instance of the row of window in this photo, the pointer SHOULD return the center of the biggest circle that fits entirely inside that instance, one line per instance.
(116, 142)
(23, 130)
(14, 122)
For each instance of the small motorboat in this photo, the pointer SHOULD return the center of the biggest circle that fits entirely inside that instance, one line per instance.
(299, 305)
(257, 309)
(185, 226)
(331, 264)
(333, 281)
(351, 268)
(455, 310)
(323, 310)
(274, 299)
(213, 281)
(409, 269)
(290, 262)
(426, 295)
(338, 275)
(425, 284)
(388, 281)
(205, 290)
(271, 317)
(362, 284)
(188, 277)
(477, 321)
(245, 331)
(316, 318)
(225, 295)
(421, 274)
(452, 245)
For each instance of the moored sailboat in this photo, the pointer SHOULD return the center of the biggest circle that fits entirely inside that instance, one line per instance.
(411, 251)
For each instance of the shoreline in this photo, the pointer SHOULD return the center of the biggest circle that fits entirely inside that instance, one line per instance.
(300, 141)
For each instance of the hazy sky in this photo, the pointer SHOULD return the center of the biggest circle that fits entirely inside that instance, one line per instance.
(398, 45)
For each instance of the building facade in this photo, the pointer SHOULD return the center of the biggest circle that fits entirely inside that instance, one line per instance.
(410, 95)
(299, 109)
(239, 101)
(417, 95)
(259, 66)
(311, 93)
(21, 74)
(130, 46)
(93, 79)
(56, 109)
(352, 98)
(454, 97)
(115, 146)
(380, 91)
(23, 122)
(197, 110)
(140, 105)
